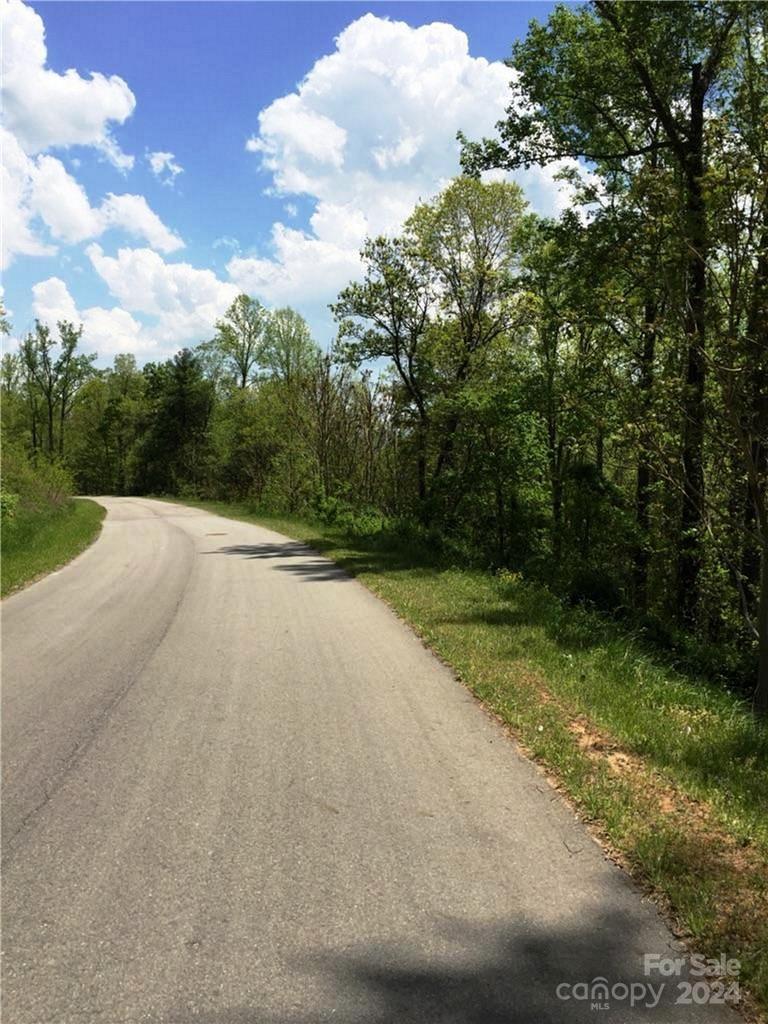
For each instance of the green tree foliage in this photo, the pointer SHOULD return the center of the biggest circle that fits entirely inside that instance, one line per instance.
(175, 448)
(51, 382)
(239, 339)
(105, 427)
(288, 352)
(434, 302)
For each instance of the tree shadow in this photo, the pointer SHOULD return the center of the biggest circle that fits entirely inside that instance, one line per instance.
(571, 629)
(310, 568)
(380, 553)
(483, 974)
(316, 566)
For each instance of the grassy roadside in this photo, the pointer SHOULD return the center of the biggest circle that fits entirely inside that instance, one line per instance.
(671, 772)
(35, 544)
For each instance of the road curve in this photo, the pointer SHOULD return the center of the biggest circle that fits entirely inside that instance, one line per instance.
(237, 790)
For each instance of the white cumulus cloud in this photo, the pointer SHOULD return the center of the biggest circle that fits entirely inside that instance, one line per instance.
(372, 127)
(40, 190)
(134, 215)
(44, 108)
(183, 304)
(185, 300)
(164, 166)
(106, 331)
(61, 202)
(306, 270)
(52, 302)
(16, 213)
(305, 135)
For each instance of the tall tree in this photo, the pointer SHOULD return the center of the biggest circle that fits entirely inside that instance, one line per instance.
(472, 238)
(288, 352)
(71, 370)
(56, 378)
(589, 88)
(239, 337)
(40, 379)
(387, 316)
(174, 449)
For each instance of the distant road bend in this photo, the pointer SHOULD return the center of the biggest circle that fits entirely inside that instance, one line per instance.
(237, 790)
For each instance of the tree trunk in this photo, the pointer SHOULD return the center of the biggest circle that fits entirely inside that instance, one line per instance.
(689, 558)
(33, 428)
(554, 444)
(641, 557)
(757, 369)
(62, 414)
(445, 455)
(501, 516)
(761, 691)
(556, 478)
(49, 400)
(421, 462)
(750, 550)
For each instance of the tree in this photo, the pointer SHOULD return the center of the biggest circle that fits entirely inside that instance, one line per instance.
(13, 403)
(588, 88)
(71, 371)
(288, 352)
(56, 378)
(40, 380)
(104, 427)
(737, 186)
(433, 302)
(174, 449)
(239, 337)
(387, 316)
(471, 237)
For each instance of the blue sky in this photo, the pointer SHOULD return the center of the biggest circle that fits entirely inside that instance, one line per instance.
(298, 127)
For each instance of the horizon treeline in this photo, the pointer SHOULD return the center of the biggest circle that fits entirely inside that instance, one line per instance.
(583, 399)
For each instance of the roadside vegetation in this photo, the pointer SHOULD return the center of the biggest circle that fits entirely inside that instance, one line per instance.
(669, 769)
(43, 527)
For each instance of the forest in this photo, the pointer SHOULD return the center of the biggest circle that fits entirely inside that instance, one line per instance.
(583, 400)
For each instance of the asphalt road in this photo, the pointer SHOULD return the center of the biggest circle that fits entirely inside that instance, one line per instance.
(238, 790)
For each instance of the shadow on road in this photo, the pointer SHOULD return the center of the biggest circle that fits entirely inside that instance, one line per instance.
(482, 975)
(312, 567)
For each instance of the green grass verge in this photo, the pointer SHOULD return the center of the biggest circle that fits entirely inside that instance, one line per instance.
(33, 545)
(671, 771)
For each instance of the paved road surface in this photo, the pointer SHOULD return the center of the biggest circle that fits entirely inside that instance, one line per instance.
(237, 790)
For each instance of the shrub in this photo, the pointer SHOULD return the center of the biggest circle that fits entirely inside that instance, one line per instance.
(8, 504)
(40, 486)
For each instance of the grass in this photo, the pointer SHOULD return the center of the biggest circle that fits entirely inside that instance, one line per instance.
(35, 544)
(670, 771)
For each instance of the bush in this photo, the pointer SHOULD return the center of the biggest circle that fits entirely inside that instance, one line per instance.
(8, 504)
(328, 510)
(357, 522)
(41, 486)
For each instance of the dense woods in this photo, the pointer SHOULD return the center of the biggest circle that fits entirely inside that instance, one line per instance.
(584, 400)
